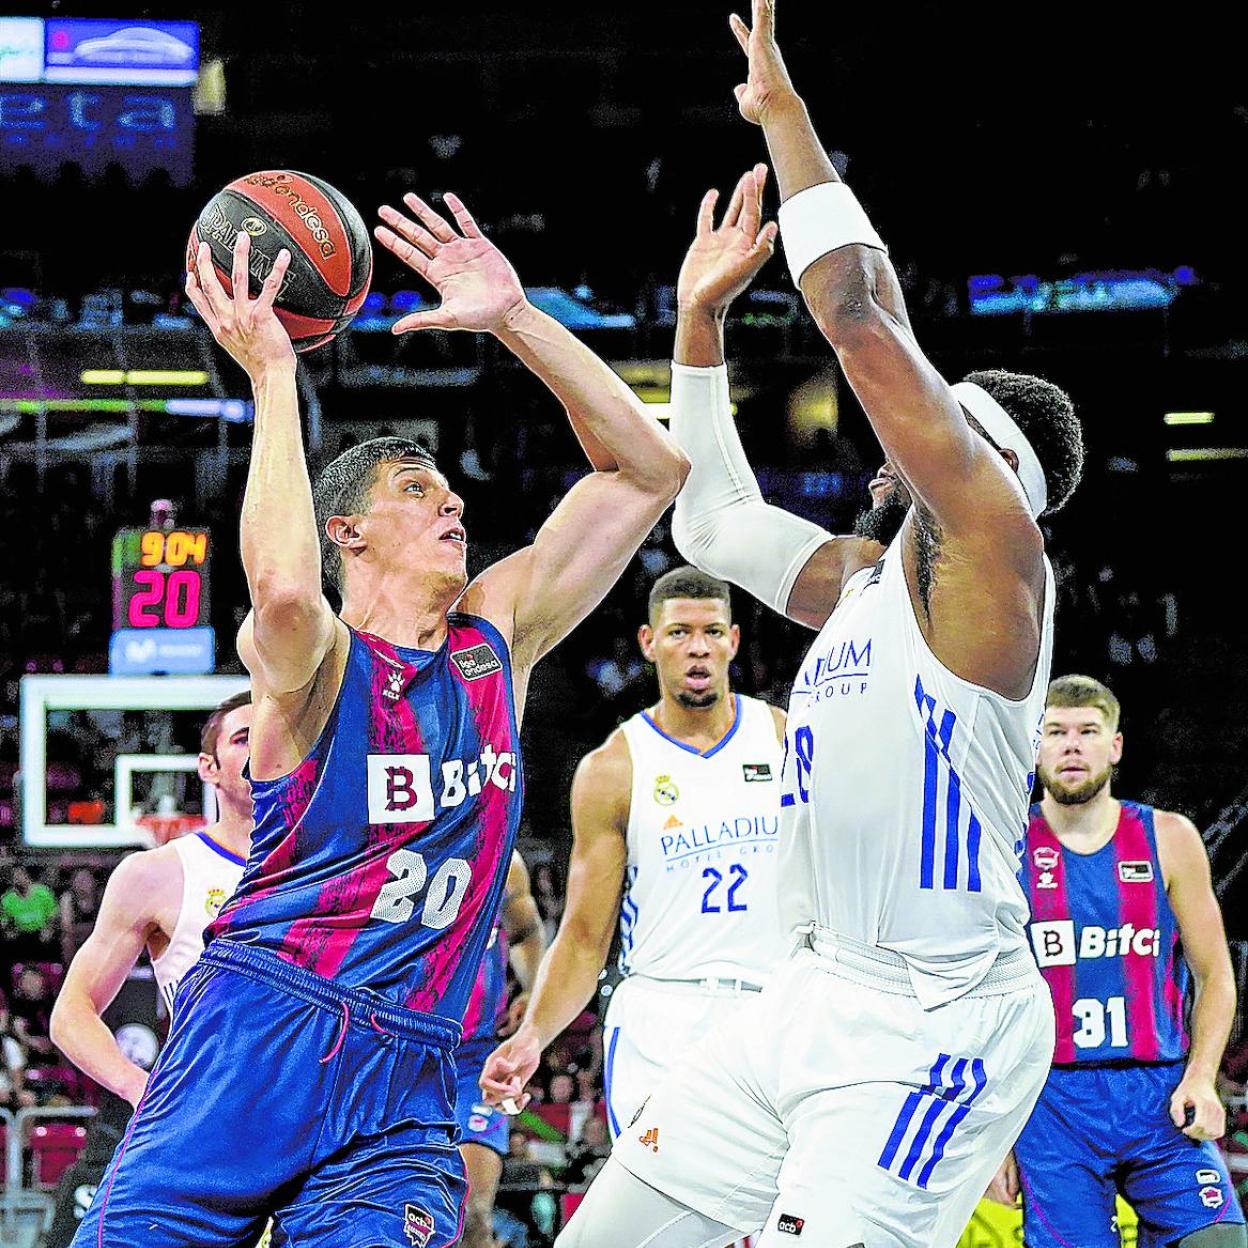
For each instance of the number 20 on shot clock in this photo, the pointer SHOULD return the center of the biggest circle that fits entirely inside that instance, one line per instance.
(161, 602)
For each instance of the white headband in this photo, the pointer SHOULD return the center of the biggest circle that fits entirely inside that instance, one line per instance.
(1000, 427)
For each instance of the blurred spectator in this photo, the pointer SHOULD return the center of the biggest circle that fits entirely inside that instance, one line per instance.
(587, 1105)
(519, 1168)
(13, 1095)
(28, 918)
(549, 897)
(79, 905)
(588, 1154)
(30, 1009)
(614, 674)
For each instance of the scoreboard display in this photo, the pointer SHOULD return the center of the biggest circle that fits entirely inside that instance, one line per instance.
(161, 602)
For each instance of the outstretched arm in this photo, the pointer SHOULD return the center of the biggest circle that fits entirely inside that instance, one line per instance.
(569, 972)
(137, 889)
(540, 593)
(1189, 886)
(855, 298)
(721, 522)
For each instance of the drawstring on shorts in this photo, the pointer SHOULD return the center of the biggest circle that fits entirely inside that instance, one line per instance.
(342, 1033)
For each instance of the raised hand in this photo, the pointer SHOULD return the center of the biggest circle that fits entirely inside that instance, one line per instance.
(476, 282)
(768, 82)
(722, 262)
(247, 328)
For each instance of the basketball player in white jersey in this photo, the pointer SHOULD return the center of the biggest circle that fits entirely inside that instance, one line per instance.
(890, 1063)
(678, 809)
(159, 900)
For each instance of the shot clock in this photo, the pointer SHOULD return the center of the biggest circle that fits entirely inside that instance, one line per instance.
(161, 602)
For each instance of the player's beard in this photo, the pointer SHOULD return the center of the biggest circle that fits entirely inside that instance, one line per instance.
(882, 522)
(697, 701)
(1081, 794)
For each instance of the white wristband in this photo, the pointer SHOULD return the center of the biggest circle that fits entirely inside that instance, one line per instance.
(821, 219)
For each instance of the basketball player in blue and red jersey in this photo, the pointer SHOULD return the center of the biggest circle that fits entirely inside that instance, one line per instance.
(309, 1073)
(1123, 910)
(518, 938)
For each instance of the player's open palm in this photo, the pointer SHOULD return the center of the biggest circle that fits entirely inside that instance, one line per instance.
(508, 1069)
(247, 328)
(723, 260)
(768, 79)
(476, 282)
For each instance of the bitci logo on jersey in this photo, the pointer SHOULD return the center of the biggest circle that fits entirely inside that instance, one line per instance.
(401, 790)
(417, 1225)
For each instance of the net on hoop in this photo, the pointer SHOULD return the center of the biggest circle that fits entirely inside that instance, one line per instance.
(162, 829)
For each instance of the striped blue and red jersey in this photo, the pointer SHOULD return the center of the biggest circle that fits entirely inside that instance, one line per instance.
(380, 861)
(487, 1002)
(1107, 941)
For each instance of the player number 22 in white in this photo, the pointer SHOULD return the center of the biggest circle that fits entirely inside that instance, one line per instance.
(1091, 1015)
(396, 901)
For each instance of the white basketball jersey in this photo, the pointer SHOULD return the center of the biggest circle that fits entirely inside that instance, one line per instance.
(210, 874)
(703, 833)
(905, 791)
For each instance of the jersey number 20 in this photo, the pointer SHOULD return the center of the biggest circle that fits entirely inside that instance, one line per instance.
(397, 899)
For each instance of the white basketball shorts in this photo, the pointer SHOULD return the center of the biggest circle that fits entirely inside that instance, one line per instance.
(650, 1025)
(834, 1108)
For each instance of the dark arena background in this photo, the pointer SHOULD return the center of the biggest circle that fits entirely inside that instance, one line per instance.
(1061, 190)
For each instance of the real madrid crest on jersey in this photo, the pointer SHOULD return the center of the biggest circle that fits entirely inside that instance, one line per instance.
(665, 791)
(214, 899)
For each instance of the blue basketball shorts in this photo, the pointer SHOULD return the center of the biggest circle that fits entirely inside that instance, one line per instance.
(1105, 1129)
(283, 1093)
(479, 1123)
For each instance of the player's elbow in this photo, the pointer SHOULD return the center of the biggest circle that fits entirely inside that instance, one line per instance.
(694, 538)
(285, 601)
(60, 1024)
(668, 474)
(845, 307)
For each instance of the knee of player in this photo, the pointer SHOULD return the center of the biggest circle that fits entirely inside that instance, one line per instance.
(478, 1224)
(1219, 1235)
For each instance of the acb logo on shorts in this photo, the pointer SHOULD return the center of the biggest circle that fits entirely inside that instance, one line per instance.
(418, 1225)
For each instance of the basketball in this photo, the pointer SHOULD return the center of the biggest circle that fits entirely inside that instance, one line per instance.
(331, 262)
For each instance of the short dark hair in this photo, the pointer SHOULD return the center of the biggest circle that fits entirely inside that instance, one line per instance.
(1047, 418)
(212, 725)
(687, 582)
(343, 485)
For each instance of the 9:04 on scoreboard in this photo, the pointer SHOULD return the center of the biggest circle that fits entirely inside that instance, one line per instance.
(160, 578)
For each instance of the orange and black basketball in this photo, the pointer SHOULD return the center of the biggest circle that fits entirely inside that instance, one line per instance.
(331, 262)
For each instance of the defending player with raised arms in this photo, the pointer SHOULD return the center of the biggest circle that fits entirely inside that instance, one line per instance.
(890, 1063)
(1123, 920)
(321, 1020)
(679, 810)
